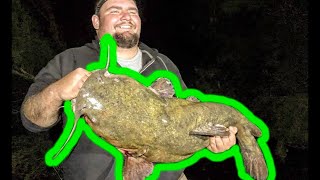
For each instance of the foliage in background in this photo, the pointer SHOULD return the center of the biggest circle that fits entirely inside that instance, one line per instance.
(33, 45)
(28, 149)
(28, 157)
(31, 48)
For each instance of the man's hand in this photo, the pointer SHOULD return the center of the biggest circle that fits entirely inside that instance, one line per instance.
(219, 144)
(43, 108)
(68, 87)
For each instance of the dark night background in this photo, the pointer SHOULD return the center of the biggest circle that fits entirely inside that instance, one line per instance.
(255, 51)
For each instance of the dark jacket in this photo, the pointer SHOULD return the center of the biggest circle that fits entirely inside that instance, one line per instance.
(87, 160)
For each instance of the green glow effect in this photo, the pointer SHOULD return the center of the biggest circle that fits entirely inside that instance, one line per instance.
(106, 41)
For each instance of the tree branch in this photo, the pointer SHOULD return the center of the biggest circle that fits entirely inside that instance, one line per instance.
(23, 73)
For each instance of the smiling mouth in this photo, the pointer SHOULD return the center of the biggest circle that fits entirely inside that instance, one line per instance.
(125, 27)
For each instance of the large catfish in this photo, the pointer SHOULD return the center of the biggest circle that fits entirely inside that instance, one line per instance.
(151, 126)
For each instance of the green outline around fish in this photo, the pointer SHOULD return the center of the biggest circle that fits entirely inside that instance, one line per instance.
(52, 159)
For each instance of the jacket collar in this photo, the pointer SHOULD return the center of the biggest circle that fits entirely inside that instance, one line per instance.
(149, 55)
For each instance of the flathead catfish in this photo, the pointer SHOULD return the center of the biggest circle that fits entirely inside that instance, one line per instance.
(150, 128)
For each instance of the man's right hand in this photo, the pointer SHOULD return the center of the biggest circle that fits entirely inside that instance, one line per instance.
(68, 87)
(43, 108)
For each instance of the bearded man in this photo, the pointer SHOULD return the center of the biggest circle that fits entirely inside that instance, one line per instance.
(63, 76)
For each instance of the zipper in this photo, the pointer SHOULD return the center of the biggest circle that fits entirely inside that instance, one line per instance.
(149, 63)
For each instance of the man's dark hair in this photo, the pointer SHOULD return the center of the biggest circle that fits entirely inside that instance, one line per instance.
(99, 4)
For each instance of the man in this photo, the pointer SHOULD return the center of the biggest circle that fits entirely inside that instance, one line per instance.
(64, 75)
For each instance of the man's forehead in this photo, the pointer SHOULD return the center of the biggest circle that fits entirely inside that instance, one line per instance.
(112, 3)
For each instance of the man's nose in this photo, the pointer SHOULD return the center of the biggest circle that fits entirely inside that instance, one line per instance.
(125, 15)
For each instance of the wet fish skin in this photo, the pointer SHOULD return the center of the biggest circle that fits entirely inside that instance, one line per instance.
(132, 117)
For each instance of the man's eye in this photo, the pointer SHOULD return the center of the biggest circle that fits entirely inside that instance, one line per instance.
(133, 12)
(114, 11)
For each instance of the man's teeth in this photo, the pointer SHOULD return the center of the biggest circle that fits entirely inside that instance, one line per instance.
(125, 27)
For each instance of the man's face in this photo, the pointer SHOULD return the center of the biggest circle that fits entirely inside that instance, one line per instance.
(121, 19)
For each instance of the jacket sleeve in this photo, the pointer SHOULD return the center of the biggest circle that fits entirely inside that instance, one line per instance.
(56, 68)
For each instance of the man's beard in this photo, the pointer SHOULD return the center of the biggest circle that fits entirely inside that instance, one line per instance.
(126, 41)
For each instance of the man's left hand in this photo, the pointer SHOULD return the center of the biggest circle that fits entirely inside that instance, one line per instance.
(219, 144)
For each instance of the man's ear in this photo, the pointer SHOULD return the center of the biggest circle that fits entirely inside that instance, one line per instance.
(95, 21)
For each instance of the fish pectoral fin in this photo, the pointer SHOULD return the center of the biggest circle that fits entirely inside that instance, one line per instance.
(211, 130)
(136, 168)
(163, 88)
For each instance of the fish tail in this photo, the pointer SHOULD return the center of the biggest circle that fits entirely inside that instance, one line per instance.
(254, 130)
(252, 156)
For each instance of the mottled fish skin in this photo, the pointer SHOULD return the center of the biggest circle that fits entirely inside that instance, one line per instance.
(131, 116)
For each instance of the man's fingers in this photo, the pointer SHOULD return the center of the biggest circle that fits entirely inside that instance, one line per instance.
(232, 137)
(212, 145)
(88, 73)
(84, 78)
(217, 144)
(220, 144)
(218, 141)
(233, 129)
